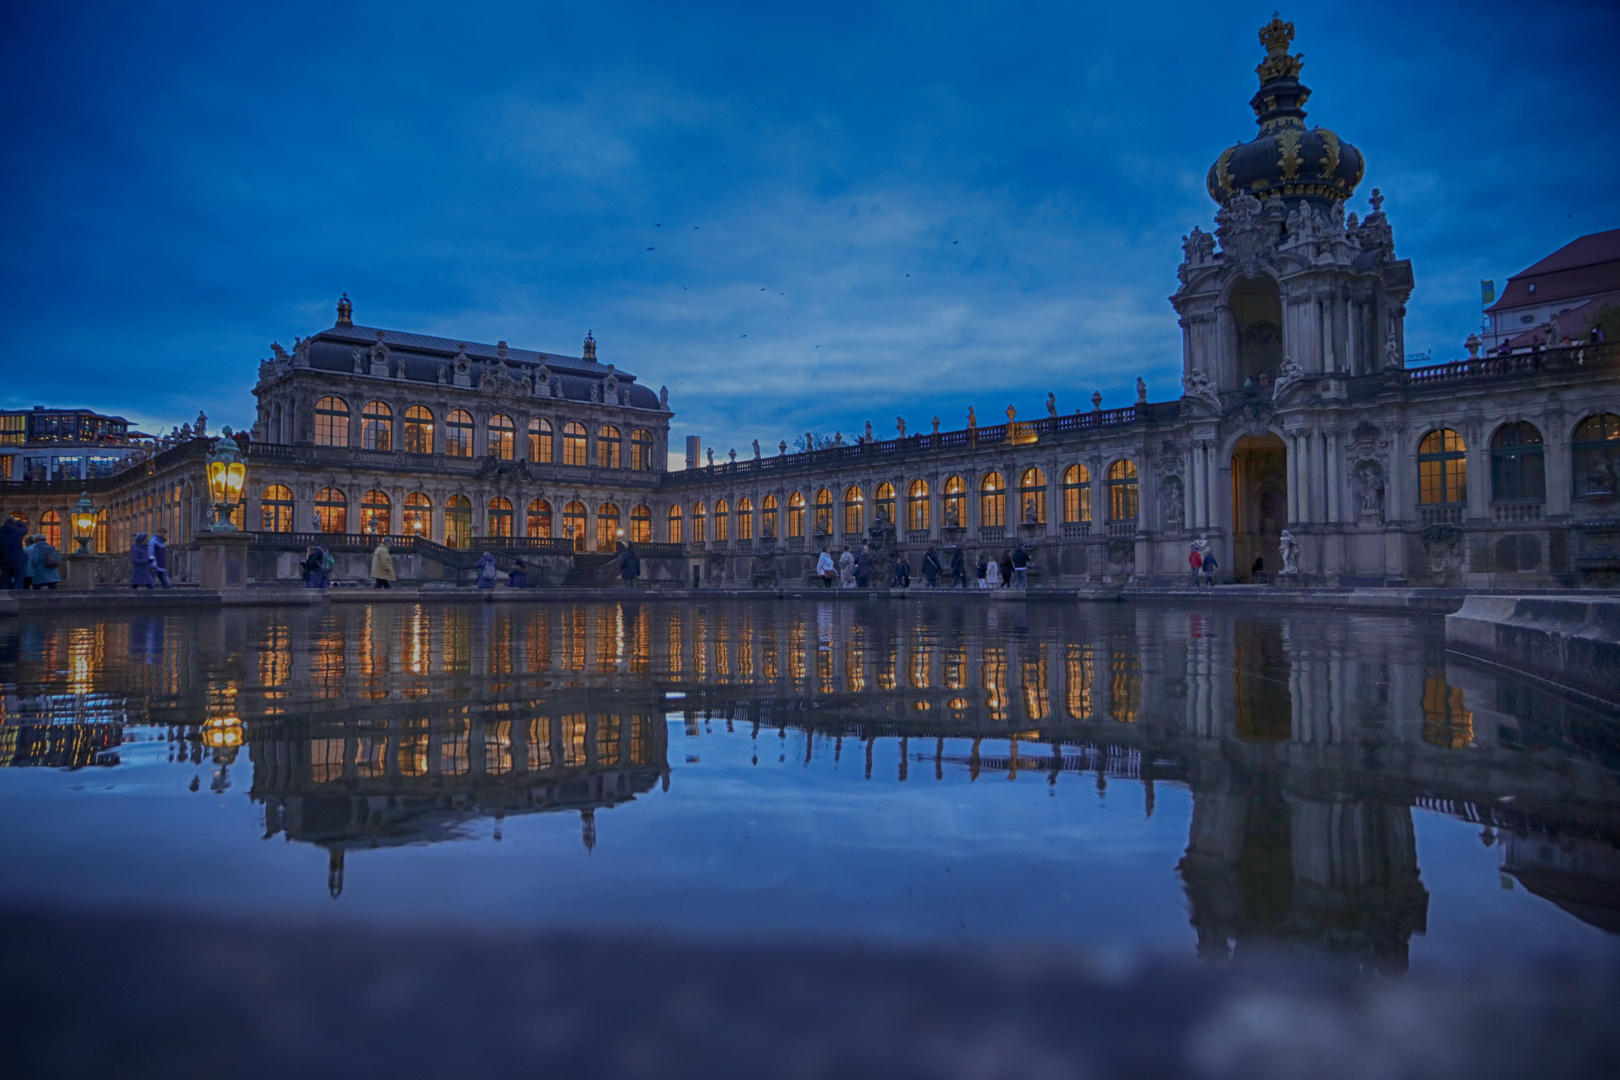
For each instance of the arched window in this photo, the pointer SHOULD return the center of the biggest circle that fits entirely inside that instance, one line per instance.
(1442, 469)
(458, 433)
(417, 519)
(375, 513)
(1517, 474)
(1122, 492)
(722, 511)
(767, 517)
(608, 533)
(992, 500)
(457, 521)
(641, 447)
(641, 525)
(376, 426)
(418, 430)
(540, 448)
(498, 519)
(795, 515)
(824, 513)
(574, 524)
(607, 446)
(675, 530)
(539, 519)
(50, 523)
(276, 509)
(700, 523)
(918, 508)
(854, 510)
(883, 504)
(103, 531)
(502, 437)
(745, 519)
(1595, 456)
(574, 444)
(1032, 497)
(953, 513)
(1076, 494)
(331, 511)
(331, 422)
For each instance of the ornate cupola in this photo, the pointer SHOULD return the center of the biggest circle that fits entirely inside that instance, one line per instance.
(1286, 159)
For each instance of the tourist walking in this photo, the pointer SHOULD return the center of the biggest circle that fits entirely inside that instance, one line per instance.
(160, 557)
(140, 562)
(825, 570)
(382, 567)
(518, 576)
(629, 566)
(1196, 562)
(1020, 565)
(846, 569)
(11, 552)
(979, 569)
(317, 564)
(44, 563)
(863, 567)
(1257, 572)
(958, 569)
(931, 568)
(486, 570)
(1210, 566)
(1006, 568)
(992, 573)
(902, 571)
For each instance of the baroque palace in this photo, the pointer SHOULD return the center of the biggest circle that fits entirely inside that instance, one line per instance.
(1298, 414)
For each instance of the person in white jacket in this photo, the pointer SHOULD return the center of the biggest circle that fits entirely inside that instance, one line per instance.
(992, 574)
(846, 569)
(825, 570)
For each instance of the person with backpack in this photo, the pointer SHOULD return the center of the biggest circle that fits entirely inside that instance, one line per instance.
(44, 563)
(11, 552)
(486, 570)
(159, 545)
(958, 569)
(931, 568)
(317, 565)
(140, 562)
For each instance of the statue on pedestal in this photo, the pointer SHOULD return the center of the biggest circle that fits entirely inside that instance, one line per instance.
(1288, 547)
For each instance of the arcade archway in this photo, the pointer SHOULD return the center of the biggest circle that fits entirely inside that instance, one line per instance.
(1259, 504)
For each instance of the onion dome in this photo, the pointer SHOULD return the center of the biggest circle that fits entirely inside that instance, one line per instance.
(1286, 159)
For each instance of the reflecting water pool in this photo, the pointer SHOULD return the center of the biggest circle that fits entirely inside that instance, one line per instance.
(1114, 777)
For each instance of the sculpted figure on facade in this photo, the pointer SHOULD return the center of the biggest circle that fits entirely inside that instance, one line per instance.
(663, 397)
(1174, 502)
(1289, 374)
(1288, 548)
(1196, 385)
(756, 449)
(1392, 351)
(1369, 476)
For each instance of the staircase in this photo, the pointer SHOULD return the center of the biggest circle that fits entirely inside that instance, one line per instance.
(588, 570)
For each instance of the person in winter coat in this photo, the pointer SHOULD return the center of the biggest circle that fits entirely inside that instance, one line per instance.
(902, 571)
(44, 563)
(1020, 566)
(629, 566)
(825, 569)
(931, 568)
(1006, 568)
(1210, 566)
(382, 567)
(315, 567)
(140, 562)
(11, 553)
(1196, 562)
(160, 557)
(846, 569)
(863, 567)
(486, 570)
(518, 577)
(958, 569)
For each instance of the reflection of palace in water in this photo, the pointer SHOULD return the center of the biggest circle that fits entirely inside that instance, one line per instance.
(1305, 743)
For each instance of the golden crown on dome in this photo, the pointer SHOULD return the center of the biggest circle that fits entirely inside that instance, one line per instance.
(1276, 36)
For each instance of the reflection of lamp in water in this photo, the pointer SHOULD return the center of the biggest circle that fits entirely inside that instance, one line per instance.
(227, 474)
(84, 523)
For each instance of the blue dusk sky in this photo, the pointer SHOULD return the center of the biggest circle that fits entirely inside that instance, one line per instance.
(797, 217)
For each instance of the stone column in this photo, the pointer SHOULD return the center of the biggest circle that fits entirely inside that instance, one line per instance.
(1294, 472)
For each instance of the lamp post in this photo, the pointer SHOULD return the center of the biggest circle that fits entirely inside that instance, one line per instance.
(222, 547)
(84, 523)
(81, 564)
(227, 475)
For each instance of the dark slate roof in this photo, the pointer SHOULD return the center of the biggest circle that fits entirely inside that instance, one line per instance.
(333, 350)
(1582, 267)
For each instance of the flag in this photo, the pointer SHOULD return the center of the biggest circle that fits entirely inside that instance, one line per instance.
(1487, 293)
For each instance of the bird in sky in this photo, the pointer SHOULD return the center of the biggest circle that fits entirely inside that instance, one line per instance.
(658, 224)
(655, 249)
(956, 241)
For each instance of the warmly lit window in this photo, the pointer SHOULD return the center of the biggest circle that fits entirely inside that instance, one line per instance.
(767, 517)
(917, 506)
(1595, 456)
(745, 519)
(700, 523)
(458, 521)
(824, 513)
(1076, 494)
(418, 430)
(502, 437)
(375, 512)
(331, 511)
(992, 500)
(574, 444)
(574, 523)
(641, 525)
(104, 531)
(1032, 497)
(1122, 494)
(607, 446)
(1442, 468)
(418, 516)
(540, 448)
(276, 509)
(795, 515)
(50, 523)
(722, 510)
(499, 518)
(954, 509)
(854, 510)
(458, 434)
(607, 527)
(675, 531)
(377, 426)
(538, 521)
(331, 422)
(641, 447)
(1517, 474)
(883, 504)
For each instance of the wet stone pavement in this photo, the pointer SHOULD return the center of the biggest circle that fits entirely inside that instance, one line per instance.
(758, 837)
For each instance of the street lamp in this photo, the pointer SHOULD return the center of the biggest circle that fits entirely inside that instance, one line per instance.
(227, 474)
(84, 523)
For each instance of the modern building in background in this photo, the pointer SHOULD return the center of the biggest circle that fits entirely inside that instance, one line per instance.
(1557, 299)
(41, 444)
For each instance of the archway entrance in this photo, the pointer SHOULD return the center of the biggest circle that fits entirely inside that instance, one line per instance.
(1259, 504)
